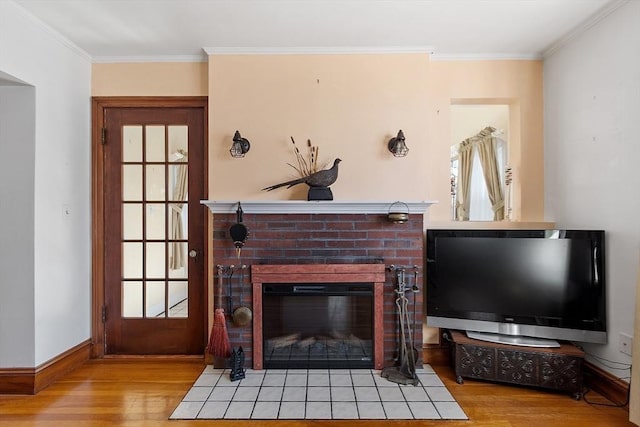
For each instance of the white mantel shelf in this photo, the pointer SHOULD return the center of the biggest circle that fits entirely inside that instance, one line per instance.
(315, 207)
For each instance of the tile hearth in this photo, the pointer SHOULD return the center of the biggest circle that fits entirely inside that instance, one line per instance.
(316, 394)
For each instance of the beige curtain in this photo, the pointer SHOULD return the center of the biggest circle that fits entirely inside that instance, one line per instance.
(489, 160)
(177, 255)
(465, 166)
(634, 398)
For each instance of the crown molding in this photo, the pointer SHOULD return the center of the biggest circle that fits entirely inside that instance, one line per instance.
(605, 11)
(309, 50)
(312, 207)
(149, 58)
(486, 57)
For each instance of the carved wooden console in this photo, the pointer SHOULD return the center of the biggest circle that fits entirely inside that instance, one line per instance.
(552, 368)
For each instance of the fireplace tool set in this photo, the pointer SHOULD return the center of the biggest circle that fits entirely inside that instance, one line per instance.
(219, 345)
(405, 372)
(242, 315)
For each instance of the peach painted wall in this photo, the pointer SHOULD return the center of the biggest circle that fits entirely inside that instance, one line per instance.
(514, 83)
(149, 79)
(348, 105)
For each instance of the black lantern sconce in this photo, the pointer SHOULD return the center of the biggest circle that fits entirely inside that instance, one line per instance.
(240, 146)
(397, 146)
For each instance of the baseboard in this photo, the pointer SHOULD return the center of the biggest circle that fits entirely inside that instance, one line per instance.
(436, 354)
(32, 380)
(611, 387)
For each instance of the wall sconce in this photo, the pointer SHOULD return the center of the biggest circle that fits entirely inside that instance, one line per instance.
(240, 146)
(397, 146)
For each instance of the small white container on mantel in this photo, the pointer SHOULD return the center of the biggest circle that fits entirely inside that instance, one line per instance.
(315, 207)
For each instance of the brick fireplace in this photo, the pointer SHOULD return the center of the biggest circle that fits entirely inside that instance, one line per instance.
(351, 235)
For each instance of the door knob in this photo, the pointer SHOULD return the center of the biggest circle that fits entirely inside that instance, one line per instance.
(193, 253)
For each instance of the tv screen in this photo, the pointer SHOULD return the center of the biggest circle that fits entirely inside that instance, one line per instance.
(536, 283)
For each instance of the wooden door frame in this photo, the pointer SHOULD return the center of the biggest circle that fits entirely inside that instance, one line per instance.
(98, 105)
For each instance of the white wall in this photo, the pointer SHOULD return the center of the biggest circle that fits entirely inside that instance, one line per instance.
(17, 152)
(592, 154)
(60, 182)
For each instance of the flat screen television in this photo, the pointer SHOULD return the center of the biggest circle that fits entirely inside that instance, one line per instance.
(518, 286)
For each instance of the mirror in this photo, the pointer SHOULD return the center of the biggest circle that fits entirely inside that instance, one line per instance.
(479, 162)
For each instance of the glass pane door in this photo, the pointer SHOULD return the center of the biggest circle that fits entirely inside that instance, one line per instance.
(154, 221)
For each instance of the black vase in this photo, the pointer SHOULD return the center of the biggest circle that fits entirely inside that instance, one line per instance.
(319, 193)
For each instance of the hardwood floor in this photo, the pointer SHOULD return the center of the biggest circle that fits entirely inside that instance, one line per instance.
(144, 392)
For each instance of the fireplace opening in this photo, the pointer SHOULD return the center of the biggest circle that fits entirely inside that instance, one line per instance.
(318, 325)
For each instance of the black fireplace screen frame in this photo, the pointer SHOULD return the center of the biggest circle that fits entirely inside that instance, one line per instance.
(318, 325)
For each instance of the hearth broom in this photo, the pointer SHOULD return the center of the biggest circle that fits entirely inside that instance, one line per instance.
(219, 340)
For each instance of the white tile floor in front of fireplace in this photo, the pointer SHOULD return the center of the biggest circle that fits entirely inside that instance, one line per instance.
(316, 394)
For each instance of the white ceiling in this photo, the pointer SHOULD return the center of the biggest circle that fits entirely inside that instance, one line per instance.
(146, 30)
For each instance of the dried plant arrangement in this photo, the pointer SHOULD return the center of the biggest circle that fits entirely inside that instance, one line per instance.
(311, 172)
(306, 166)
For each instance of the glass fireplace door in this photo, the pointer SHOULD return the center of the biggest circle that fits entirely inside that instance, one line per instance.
(318, 325)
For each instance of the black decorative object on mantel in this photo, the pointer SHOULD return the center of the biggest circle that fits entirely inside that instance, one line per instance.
(237, 365)
(319, 193)
(323, 178)
(317, 180)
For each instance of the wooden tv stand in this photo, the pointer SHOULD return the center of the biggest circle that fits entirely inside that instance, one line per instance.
(552, 368)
